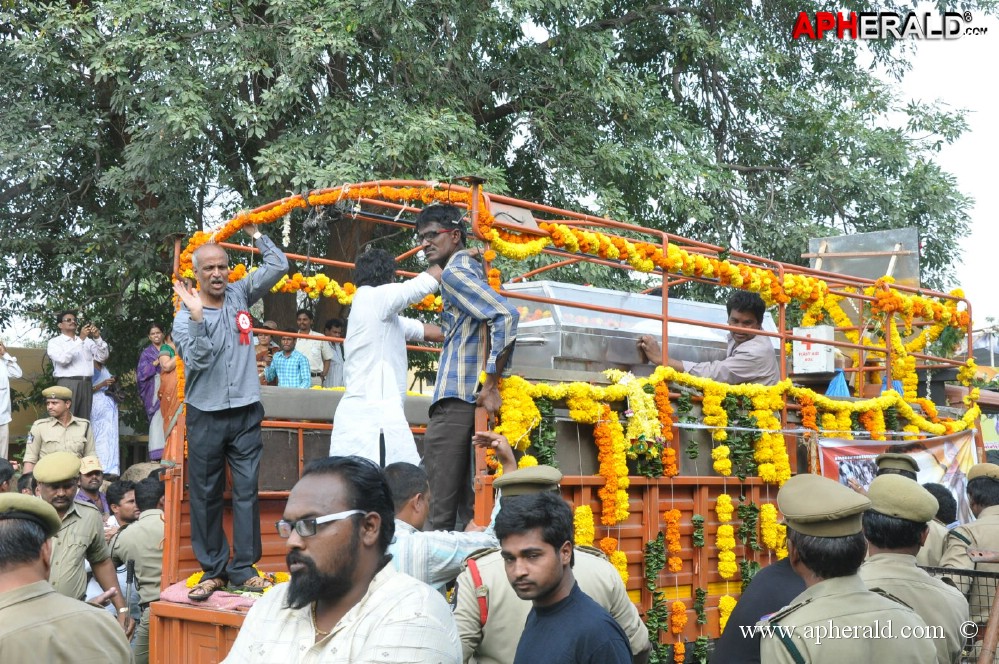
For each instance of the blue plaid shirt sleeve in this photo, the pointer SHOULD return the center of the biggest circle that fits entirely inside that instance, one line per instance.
(475, 297)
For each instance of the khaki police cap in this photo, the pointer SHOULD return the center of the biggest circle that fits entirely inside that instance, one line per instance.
(22, 506)
(533, 479)
(989, 470)
(57, 467)
(90, 464)
(58, 392)
(896, 461)
(818, 506)
(898, 496)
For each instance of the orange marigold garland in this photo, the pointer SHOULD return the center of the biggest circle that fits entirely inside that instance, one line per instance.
(677, 617)
(617, 557)
(672, 518)
(611, 455)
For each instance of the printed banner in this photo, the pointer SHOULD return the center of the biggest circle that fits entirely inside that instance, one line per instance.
(946, 461)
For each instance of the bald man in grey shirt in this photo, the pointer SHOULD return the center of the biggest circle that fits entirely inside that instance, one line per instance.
(212, 332)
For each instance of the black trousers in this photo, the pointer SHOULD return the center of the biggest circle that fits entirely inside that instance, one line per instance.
(447, 458)
(83, 394)
(215, 438)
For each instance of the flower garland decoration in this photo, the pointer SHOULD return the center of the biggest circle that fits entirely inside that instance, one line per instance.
(770, 454)
(644, 431)
(726, 604)
(617, 557)
(721, 462)
(773, 534)
(672, 518)
(609, 438)
(670, 467)
(700, 599)
(697, 539)
(582, 522)
(527, 461)
(518, 412)
(715, 414)
(809, 413)
(677, 617)
(725, 537)
(679, 652)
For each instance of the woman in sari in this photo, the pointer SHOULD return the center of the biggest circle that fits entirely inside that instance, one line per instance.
(171, 403)
(104, 419)
(147, 375)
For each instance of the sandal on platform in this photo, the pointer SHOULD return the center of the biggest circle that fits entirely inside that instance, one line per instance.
(255, 584)
(205, 589)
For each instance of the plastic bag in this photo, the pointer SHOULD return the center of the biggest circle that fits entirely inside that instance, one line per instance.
(838, 386)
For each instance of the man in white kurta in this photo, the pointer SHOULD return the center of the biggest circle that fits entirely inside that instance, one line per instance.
(376, 367)
(8, 369)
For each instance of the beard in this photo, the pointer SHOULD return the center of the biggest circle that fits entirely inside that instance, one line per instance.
(310, 585)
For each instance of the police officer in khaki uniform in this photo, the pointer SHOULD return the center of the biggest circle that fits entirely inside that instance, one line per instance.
(895, 527)
(491, 617)
(893, 463)
(80, 536)
(837, 619)
(983, 533)
(37, 624)
(60, 431)
(142, 543)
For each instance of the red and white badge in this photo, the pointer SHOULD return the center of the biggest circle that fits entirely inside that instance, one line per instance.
(244, 324)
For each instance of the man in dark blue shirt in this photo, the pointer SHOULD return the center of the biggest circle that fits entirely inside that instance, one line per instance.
(564, 626)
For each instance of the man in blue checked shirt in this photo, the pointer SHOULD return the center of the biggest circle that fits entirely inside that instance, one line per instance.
(290, 367)
(475, 318)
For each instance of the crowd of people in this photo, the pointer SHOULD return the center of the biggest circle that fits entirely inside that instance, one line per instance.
(377, 535)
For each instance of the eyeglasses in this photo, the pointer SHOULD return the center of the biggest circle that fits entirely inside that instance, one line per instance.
(68, 320)
(307, 527)
(429, 236)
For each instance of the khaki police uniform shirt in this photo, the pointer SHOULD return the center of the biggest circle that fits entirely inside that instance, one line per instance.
(932, 550)
(983, 533)
(81, 537)
(49, 435)
(37, 624)
(845, 605)
(496, 643)
(142, 542)
(937, 603)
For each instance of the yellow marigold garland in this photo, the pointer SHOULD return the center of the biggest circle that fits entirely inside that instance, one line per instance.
(725, 537)
(774, 535)
(726, 604)
(582, 521)
(721, 462)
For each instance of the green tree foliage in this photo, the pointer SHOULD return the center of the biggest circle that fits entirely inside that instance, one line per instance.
(130, 123)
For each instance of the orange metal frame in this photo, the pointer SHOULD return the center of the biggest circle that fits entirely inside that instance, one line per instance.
(368, 211)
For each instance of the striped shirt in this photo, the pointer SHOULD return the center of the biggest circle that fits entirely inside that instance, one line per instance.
(437, 557)
(290, 370)
(468, 302)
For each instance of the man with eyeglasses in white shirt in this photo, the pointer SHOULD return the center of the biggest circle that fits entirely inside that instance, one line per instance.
(344, 602)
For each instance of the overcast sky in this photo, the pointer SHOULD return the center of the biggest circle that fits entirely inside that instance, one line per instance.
(960, 73)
